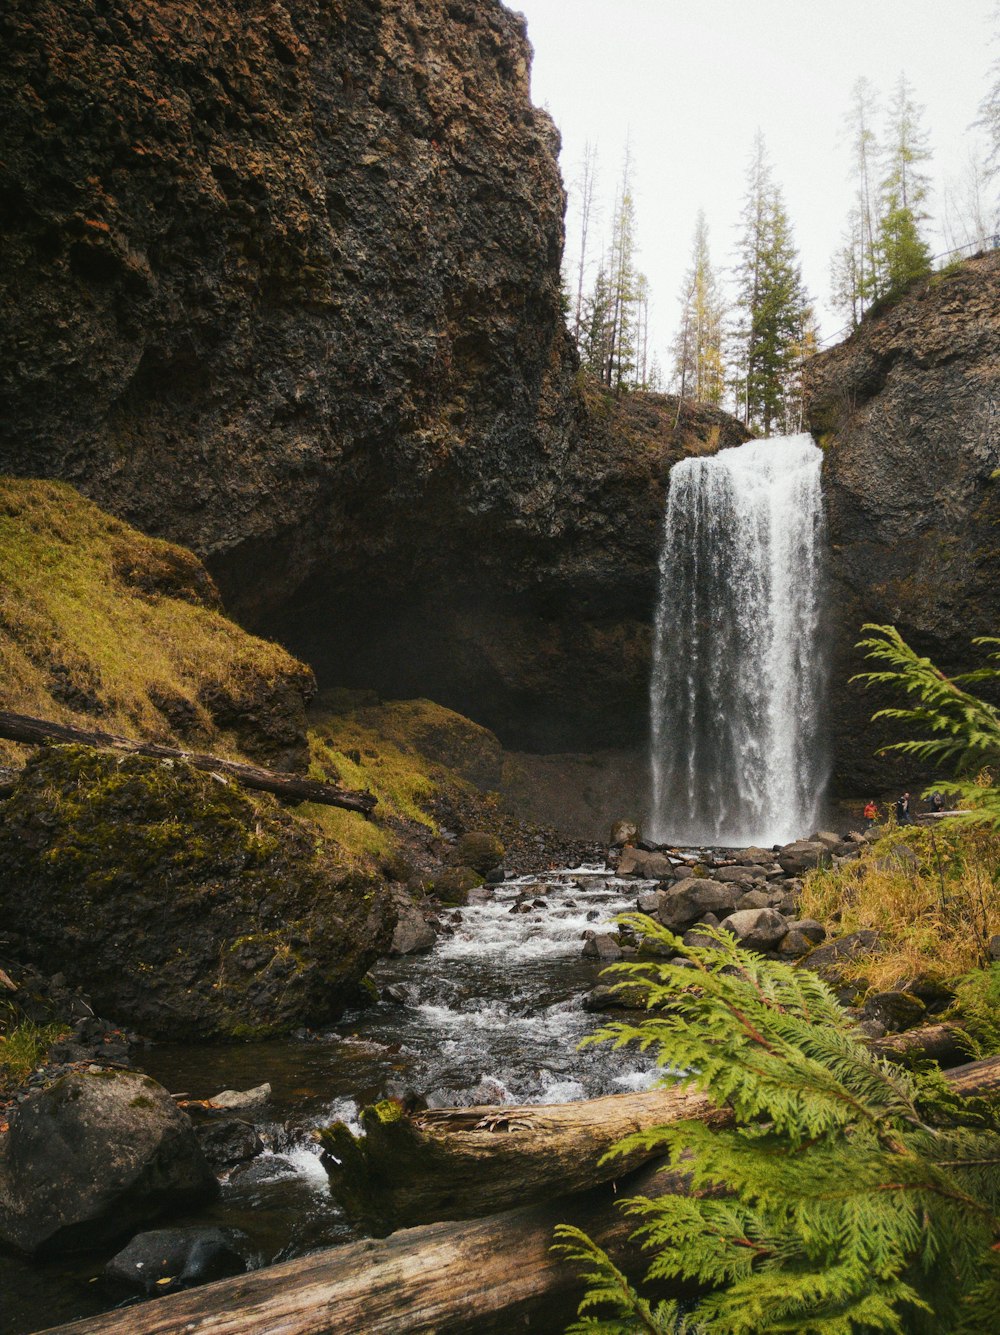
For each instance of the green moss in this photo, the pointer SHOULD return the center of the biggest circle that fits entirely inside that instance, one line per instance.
(97, 619)
(385, 1112)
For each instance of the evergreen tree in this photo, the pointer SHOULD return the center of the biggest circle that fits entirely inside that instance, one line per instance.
(621, 351)
(772, 308)
(595, 332)
(855, 266)
(989, 114)
(903, 254)
(697, 350)
(587, 210)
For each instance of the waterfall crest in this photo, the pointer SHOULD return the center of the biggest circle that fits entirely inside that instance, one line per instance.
(738, 670)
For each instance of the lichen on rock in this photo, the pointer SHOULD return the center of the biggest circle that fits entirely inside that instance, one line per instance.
(185, 907)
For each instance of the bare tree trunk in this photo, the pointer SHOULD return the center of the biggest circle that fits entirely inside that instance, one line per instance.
(481, 1277)
(486, 1277)
(36, 731)
(460, 1163)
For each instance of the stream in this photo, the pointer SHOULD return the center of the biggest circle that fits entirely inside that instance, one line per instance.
(493, 1014)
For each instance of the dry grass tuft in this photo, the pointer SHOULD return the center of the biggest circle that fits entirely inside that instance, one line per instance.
(933, 895)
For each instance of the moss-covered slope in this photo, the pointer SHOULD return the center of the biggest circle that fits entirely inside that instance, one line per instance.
(183, 905)
(102, 625)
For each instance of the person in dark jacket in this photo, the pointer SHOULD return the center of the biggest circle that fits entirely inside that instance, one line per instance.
(903, 814)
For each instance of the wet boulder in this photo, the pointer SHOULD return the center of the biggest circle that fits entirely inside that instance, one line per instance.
(738, 873)
(228, 1141)
(895, 1010)
(802, 856)
(653, 866)
(412, 934)
(826, 957)
(91, 1157)
(624, 832)
(602, 946)
(759, 857)
(687, 902)
(754, 899)
(827, 838)
(481, 851)
(454, 883)
(167, 1259)
(244, 1100)
(757, 929)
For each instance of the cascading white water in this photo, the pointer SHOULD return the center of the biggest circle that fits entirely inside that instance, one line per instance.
(738, 669)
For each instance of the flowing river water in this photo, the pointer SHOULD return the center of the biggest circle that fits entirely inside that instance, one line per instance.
(493, 1014)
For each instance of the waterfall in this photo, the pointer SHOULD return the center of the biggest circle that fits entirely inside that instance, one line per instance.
(738, 673)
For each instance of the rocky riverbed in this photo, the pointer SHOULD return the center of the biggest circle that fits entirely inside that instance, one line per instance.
(483, 1001)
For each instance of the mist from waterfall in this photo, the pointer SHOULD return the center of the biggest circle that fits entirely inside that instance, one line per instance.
(739, 677)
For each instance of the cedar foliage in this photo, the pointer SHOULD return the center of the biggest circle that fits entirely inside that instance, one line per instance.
(848, 1195)
(960, 729)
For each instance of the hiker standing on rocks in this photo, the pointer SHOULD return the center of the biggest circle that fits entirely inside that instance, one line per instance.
(903, 814)
(871, 813)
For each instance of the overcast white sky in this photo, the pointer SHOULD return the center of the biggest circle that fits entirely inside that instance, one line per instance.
(690, 82)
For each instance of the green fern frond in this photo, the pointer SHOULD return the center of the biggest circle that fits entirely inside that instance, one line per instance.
(843, 1197)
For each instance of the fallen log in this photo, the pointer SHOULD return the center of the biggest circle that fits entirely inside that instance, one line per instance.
(483, 1277)
(941, 1043)
(35, 732)
(475, 1277)
(461, 1163)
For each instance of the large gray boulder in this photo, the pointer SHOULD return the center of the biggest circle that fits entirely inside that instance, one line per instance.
(93, 1156)
(653, 866)
(748, 872)
(412, 934)
(802, 855)
(687, 902)
(757, 929)
(169, 1259)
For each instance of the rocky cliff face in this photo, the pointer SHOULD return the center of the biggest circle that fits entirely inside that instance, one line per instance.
(908, 412)
(282, 285)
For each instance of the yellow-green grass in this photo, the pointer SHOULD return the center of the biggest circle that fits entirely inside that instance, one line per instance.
(397, 750)
(124, 614)
(23, 1047)
(933, 895)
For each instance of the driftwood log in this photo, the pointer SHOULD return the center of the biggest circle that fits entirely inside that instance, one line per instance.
(941, 1043)
(475, 1277)
(35, 731)
(462, 1163)
(482, 1277)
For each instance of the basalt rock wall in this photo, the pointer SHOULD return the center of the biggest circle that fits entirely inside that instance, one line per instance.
(281, 283)
(908, 413)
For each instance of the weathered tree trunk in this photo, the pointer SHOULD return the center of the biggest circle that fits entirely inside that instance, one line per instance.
(976, 1080)
(941, 1043)
(475, 1277)
(481, 1277)
(462, 1163)
(35, 731)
